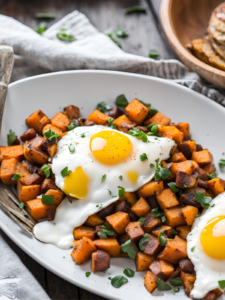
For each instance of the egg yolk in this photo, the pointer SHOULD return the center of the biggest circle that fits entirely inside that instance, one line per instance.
(110, 147)
(76, 184)
(133, 176)
(213, 238)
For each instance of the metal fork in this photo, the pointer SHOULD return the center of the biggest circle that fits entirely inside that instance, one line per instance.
(8, 200)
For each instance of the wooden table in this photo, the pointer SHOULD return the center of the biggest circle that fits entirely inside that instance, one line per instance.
(145, 35)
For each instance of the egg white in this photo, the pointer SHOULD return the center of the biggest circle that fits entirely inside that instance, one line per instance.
(71, 215)
(208, 270)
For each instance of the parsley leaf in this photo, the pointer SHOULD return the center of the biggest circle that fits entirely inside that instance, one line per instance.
(162, 239)
(47, 199)
(88, 274)
(51, 135)
(121, 101)
(143, 157)
(42, 27)
(128, 272)
(16, 177)
(148, 105)
(11, 137)
(63, 36)
(121, 33)
(103, 107)
(138, 134)
(174, 231)
(160, 172)
(82, 135)
(221, 284)
(65, 172)
(121, 177)
(176, 289)
(202, 199)
(153, 112)
(142, 221)
(192, 249)
(102, 235)
(159, 214)
(143, 240)
(153, 54)
(135, 9)
(130, 248)
(21, 205)
(46, 169)
(107, 231)
(72, 126)
(222, 163)
(118, 281)
(103, 177)
(121, 191)
(43, 15)
(176, 281)
(212, 175)
(71, 148)
(162, 286)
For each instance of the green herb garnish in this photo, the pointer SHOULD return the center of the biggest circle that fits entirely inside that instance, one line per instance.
(222, 163)
(128, 272)
(16, 177)
(130, 248)
(162, 239)
(174, 231)
(185, 186)
(160, 172)
(43, 15)
(121, 191)
(162, 286)
(42, 27)
(202, 199)
(153, 54)
(107, 231)
(121, 101)
(102, 235)
(148, 105)
(142, 221)
(173, 187)
(65, 172)
(21, 205)
(153, 112)
(118, 281)
(82, 135)
(11, 137)
(72, 126)
(51, 135)
(103, 107)
(159, 214)
(176, 289)
(221, 284)
(47, 199)
(212, 175)
(71, 148)
(88, 274)
(192, 249)
(143, 157)
(103, 178)
(121, 177)
(63, 36)
(143, 240)
(176, 281)
(135, 9)
(138, 134)
(46, 169)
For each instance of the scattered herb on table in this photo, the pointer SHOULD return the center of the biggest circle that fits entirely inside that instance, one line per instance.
(114, 34)
(153, 54)
(118, 281)
(135, 9)
(162, 285)
(121, 177)
(128, 272)
(88, 274)
(43, 15)
(42, 27)
(222, 163)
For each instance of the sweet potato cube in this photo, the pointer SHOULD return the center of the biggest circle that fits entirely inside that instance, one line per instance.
(8, 169)
(119, 221)
(209, 168)
(121, 123)
(61, 121)
(134, 231)
(186, 266)
(174, 216)
(28, 135)
(184, 166)
(217, 185)
(213, 295)
(177, 157)
(201, 157)
(12, 152)
(73, 112)
(189, 212)
(184, 127)
(26, 193)
(100, 261)
(33, 121)
(48, 184)
(136, 111)
(35, 156)
(93, 221)
(131, 198)
(166, 229)
(143, 261)
(111, 246)
(150, 223)
(171, 132)
(43, 122)
(57, 196)
(162, 269)
(83, 251)
(37, 209)
(84, 231)
(150, 188)
(183, 231)
(166, 198)
(53, 128)
(153, 246)
(150, 282)
(141, 207)
(174, 251)
(188, 282)
(98, 117)
(188, 196)
(184, 180)
(52, 149)
(158, 119)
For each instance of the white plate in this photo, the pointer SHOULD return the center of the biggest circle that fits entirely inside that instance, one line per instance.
(85, 89)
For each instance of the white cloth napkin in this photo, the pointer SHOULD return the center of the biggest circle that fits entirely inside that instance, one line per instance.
(35, 54)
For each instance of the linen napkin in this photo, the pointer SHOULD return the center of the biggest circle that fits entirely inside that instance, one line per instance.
(35, 54)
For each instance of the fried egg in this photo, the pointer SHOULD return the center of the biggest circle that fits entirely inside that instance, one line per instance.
(205, 247)
(104, 160)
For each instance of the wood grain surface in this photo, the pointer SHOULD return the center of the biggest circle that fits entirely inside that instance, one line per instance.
(145, 35)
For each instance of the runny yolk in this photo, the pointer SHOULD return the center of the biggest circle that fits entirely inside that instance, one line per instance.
(76, 184)
(133, 176)
(213, 238)
(110, 147)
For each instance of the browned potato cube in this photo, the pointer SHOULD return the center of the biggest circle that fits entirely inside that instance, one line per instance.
(100, 261)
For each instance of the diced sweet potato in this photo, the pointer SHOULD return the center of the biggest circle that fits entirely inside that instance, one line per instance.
(111, 246)
(174, 216)
(188, 282)
(166, 229)
(171, 132)
(84, 231)
(122, 122)
(167, 198)
(48, 184)
(131, 198)
(184, 166)
(136, 111)
(35, 156)
(177, 157)
(37, 209)
(83, 251)
(189, 212)
(201, 157)
(26, 193)
(12, 152)
(31, 180)
(183, 231)
(184, 180)
(162, 269)
(61, 121)
(57, 196)
(141, 207)
(114, 112)
(53, 128)
(217, 185)
(150, 188)
(174, 251)
(209, 168)
(134, 231)
(105, 212)
(93, 221)
(33, 121)
(98, 117)
(123, 206)
(158, 119)
(203, 175)
(143, 261)
(186, 266)
(52, 149)
(213, 295)
(184, 127)
(119, 221)
(188, 196)
(153, 202)
(73, 112)
(28, 135)
(153, 246)
(150, 223)
(123, 238)
(100, 261)
(8, 169)
(150, 282)
(43, 122)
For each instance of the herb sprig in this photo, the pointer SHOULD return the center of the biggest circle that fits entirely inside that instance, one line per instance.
(160, 172)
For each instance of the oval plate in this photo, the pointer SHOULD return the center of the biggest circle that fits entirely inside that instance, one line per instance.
(85, 89)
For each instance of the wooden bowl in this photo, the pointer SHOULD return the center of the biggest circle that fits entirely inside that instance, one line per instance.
(183, 21)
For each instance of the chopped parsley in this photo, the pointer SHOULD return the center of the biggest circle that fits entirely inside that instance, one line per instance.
(103, 178)
(130, 248)
(16, 177)
(11, 137)
(202, 199)
(47, 199)
(72, 126)
(143, 240)
(160, 214)
(128, 272)
(143, 157)
(138, 134)
(121, 191)
(212, 175)
(65, 172)
(160, 172)
(103, 107)
(162, 239)
(71, 148)
(87, 274)
(51, 135)
(121, 101)
(142, 221)
(121, 177)
(46, 169)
